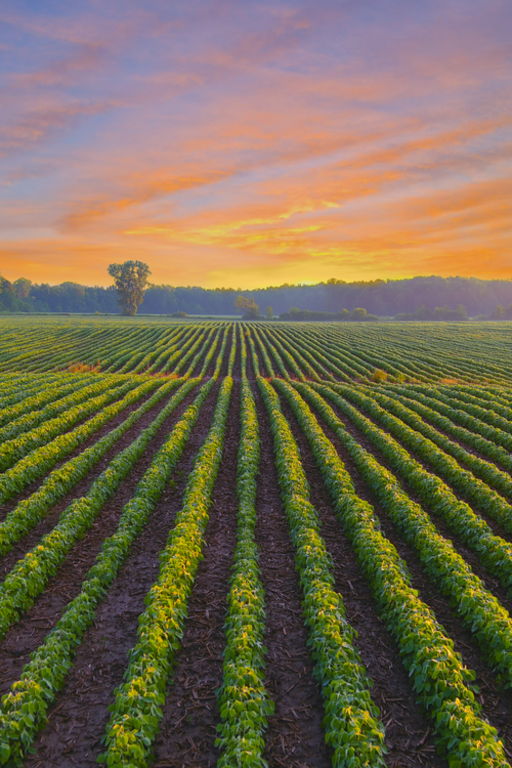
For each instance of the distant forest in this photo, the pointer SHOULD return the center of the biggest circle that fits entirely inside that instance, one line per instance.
(378, 297)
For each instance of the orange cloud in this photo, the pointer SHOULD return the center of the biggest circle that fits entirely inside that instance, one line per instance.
(252, 144)
(143, 191)
(61, 72)
(37, 125)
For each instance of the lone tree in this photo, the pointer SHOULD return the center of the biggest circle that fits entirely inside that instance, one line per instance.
(248, 307)
(130, 278)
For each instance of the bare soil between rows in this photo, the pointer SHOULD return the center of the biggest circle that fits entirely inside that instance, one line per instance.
(408, 732)
(30, 630)
(295, 737)
(190, 716)
(79, 717)
(496, 702)
(8, 506)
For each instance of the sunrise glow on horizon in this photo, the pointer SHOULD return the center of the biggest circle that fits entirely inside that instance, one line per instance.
(244, 144)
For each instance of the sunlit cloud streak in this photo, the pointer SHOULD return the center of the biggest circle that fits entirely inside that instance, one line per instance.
(240, 144)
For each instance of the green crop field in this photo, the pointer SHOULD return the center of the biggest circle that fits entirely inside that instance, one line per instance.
(252, 544)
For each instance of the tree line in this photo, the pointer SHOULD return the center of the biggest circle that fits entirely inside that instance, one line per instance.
(385, 298)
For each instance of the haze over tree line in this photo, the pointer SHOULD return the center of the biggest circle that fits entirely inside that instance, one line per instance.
(378, 297)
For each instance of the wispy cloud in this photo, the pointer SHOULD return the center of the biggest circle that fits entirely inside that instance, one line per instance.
(249, 143)
(38, 125)
(58, 73)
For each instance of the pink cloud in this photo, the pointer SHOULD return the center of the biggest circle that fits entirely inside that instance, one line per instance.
(217, 137)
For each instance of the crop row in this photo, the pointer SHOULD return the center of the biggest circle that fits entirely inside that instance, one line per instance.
(97, 394)
(467, 413)
(352, 727)
(459, 517)
(39, 461)
(32, 408)
(137, 708)
(489, 622)
(30, 575)
(406, 407)
(439, 677)
(243, 702)
(15, 387)
(343, 351)
(24, 709)
(59, 482)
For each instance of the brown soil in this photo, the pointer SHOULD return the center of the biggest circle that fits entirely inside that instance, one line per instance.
(190, 717)
(105, 429)
(29, 632)
(295, 738)
(82, 487)
(237, 366)
(407, 729)
(78, 720)
(496, 703)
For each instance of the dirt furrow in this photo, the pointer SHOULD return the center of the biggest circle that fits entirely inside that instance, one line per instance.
(295, 738)
(78, 720)
(496, 703)
(29, 632)
(188, 727)
(82, 487)
(108, 427)
(490, 581)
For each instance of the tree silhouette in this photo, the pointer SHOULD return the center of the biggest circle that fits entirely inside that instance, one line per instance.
(130, 279)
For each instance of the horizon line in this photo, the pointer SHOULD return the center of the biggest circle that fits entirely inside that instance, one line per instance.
(308, 284)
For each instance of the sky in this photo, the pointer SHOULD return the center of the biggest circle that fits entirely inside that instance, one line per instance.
(248, 144)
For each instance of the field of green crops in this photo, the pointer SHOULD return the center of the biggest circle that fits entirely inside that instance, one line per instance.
(255, 544)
